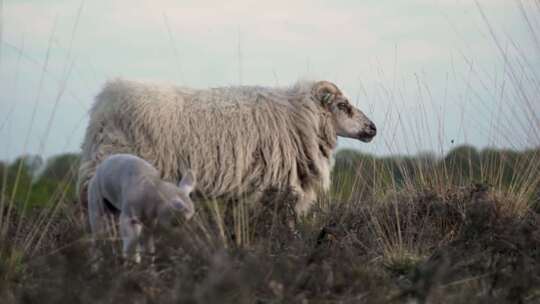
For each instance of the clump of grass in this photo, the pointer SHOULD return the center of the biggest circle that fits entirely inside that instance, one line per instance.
(401, 261)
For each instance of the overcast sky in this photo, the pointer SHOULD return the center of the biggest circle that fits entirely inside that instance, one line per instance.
(429, 73)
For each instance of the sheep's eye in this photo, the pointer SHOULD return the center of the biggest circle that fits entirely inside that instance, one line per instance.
(345, 107)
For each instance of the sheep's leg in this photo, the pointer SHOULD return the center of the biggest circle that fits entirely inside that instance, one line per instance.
(304, 202)
(303, 198)
(229, 220)
(130, 231)
(86, 170)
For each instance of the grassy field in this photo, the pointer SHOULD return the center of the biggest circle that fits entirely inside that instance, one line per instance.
(460, 229)
(458, 226)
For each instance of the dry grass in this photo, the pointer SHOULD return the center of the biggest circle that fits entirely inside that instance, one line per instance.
(429, 243)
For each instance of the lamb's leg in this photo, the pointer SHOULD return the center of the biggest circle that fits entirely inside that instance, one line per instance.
(96, 210)
(148, 245)
(97, 217)
(130, 231)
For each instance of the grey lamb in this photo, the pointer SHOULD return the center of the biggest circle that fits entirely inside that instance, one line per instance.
(131, 186)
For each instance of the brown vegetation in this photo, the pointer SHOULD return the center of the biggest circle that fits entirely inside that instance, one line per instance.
(394, 237)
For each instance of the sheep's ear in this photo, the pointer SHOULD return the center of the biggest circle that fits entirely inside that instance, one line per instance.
(327, 99)
(325, 92)
(187, 184)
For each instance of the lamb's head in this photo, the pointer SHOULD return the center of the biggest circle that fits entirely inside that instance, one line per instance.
(182, 201)
(348, 120)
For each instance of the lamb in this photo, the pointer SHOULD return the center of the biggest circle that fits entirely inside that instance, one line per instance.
(243, 141)
(130, 185)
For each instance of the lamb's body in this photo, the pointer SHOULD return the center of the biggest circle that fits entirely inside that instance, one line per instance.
(241, 141)
(133, 187)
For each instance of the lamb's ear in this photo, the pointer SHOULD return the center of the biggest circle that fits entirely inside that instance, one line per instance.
(178, 205)
(325, 92)
(187, 184)
(187, 209)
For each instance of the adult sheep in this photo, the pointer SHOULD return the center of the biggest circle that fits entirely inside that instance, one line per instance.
(241, 141)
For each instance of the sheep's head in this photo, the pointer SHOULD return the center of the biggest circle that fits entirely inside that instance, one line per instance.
(349, 121)
(182, 201)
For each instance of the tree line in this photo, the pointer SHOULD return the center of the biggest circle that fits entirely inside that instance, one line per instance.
(34, 182)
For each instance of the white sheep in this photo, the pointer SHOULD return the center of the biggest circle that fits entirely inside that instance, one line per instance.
(242, 141)
(130, 185)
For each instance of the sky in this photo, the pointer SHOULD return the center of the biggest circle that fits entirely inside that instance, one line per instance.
(431, 74)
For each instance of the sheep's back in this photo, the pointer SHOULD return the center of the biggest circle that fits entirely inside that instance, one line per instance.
(236, 140)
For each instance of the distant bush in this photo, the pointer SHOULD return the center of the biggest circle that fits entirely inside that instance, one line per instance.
(356, 175)
(31, 183)
(368, 174)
